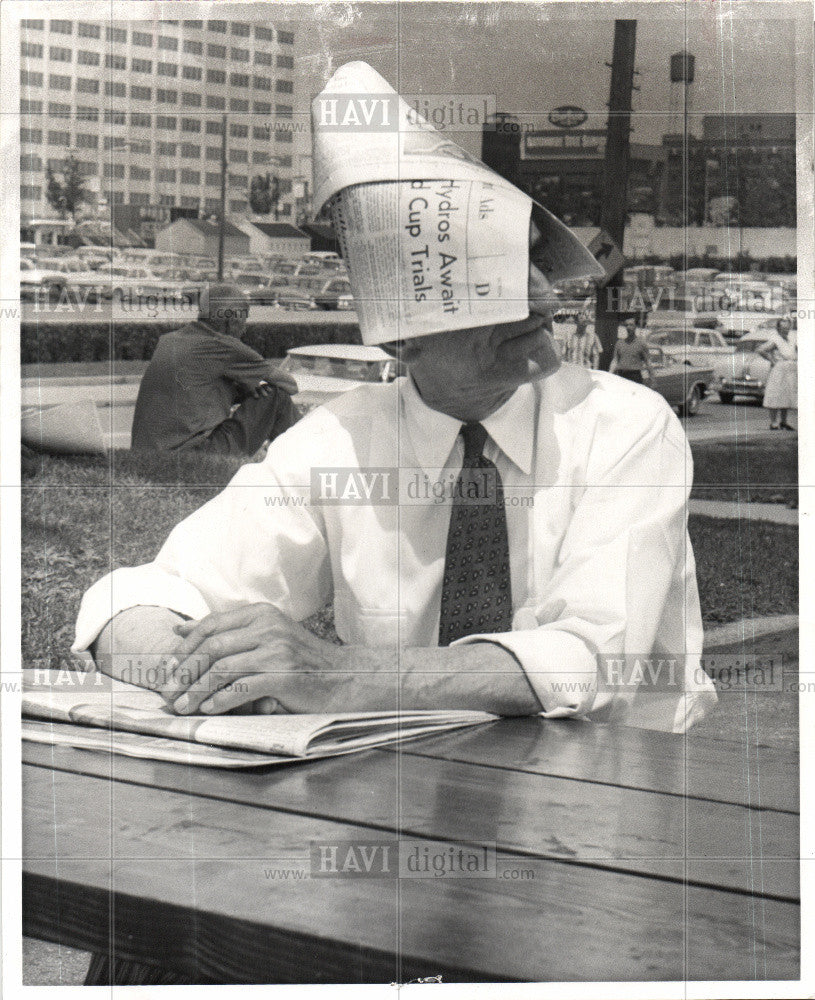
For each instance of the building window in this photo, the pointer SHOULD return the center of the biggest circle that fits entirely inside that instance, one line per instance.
(194, 48)
(166, 96)
(115, 61)
(142, 38)
(237, 204)
(167, 148)
(32, 50)
(139, 173)
(238, 180)
(217, 51)
(141, 146)
(283, 160)
(213, 128)
(260, 132)
(85, 86)
(212, 180)
(30, 79)
(57, 108)
(238, 131)
(283, 137)
(262, 83)
(30, 134)
(212, 204)
(215, 102)
(170, 44)
(239, 55)
(264, 34)
(35, 24)
(58, 82)
(238, 156)
(29, 162)
(86, 114)
(167, 69)
(284, 110)
(285, 37)
(189, 150)
(139, 198)
(141, 65)
(166, 175)
(213, 153)
(62, 27)
(117, 142)
(85, 141)
(191, 72)
(116, 34)
(115, 89)
(190, 125)
(284, 87)
(239, 79)
(30, 192)
(219, 26)
(284, 210)
(166, 199)
(192, 25)
(241, 28)
(216, 76)
(117, 198)
(285, 62)
(141, 93)
(260, 156)
(166, 121)
(238, 104)
(29, 106)
(85, 30)
(85, 58)
(262, 108)
(60, 54)
(189, 201)
(115, 117)
(263, 58)
(139, 119)
(191, 100)
(116, 170)
(190, 176)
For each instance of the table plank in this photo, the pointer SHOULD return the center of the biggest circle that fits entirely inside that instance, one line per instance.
(677, 764)
(597, 825)
(217, 915)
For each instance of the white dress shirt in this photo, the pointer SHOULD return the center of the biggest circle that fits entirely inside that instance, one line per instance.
(596, 473)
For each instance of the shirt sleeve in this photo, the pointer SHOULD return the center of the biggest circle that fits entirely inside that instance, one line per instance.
(623, 564)
(244, 366)
(258, 541)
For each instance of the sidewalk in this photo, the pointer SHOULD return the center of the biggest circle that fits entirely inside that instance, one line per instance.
(775, 513)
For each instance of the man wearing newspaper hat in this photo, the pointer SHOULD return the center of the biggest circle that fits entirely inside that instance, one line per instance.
(496, 530)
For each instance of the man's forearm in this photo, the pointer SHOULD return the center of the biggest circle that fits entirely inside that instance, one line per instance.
(135, 646)
(480, 676)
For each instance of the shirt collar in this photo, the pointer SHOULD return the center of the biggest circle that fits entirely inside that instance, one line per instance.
(433, 434)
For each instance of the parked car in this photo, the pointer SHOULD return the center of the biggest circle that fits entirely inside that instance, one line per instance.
(694, 344)
(734, 326)
(745, 372)
(334, 294)
(71, 280)
(683, 384)
(38, 281)
(324, 371)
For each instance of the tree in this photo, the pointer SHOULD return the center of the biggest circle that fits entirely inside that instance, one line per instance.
(264, 194)
(67, 195)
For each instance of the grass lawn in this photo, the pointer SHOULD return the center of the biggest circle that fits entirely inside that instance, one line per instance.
(751, 472)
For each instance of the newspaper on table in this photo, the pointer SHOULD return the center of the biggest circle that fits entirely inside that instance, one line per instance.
(72, 709)
(433, 239)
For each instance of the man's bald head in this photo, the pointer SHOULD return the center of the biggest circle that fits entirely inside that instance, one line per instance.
(225, 307)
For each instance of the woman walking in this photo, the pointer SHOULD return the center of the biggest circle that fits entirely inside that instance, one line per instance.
(781, 392)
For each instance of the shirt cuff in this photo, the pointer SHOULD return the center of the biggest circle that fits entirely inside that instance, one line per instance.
(560, 668)
(129, 588)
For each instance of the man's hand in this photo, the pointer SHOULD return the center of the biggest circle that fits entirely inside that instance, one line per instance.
(253, 652)
(275, 378)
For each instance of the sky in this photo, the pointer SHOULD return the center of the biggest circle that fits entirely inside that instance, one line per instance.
(536, 56)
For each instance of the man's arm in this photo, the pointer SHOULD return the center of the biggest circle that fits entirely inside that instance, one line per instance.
(613, 366)
(243, 365)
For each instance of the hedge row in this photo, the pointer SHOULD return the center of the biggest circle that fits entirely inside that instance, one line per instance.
(44, 342)
(736, 262)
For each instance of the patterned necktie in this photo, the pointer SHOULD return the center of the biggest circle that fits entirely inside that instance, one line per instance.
(476, 593)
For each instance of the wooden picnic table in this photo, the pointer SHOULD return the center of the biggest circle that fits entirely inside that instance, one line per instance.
(620, 854)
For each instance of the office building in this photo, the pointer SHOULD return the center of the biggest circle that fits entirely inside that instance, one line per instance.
(140, 105)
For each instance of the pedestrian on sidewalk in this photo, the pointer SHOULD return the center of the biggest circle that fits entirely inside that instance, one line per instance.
(582, 346)
(204, 390)
(631, 355)
(781, 392)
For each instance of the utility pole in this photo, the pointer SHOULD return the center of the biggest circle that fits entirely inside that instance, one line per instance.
(615, 179)
(222, 220)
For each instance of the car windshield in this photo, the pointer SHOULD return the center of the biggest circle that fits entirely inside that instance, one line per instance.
(674, 338)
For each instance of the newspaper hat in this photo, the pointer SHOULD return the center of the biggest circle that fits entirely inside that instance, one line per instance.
(433, 239)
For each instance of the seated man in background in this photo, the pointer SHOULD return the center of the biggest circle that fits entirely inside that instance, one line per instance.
(205, 390)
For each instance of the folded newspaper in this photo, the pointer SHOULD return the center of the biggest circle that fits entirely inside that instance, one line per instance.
(93, 712)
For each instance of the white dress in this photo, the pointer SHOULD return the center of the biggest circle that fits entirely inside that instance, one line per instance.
(781, 392)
